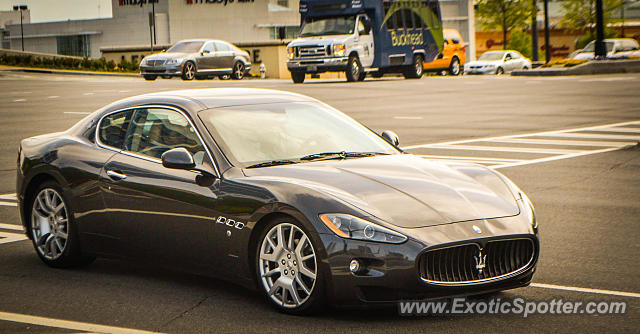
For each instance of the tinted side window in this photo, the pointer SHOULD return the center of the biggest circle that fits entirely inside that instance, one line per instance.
(156, 131)
(208, 47)
(220, 46)
(113, 128)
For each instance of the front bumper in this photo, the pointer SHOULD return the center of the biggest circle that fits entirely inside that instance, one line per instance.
(167, 70)
(318, 65)
(392, 271)
(482, 70)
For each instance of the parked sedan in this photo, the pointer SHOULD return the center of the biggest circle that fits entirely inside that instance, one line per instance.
(616, 48)
(197, 59)
(275, 191)
(498, 62)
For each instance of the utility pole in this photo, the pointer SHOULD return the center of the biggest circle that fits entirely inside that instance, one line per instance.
(153, 10)
(20, 8)
(534, 31)
(151, 19)
(601, 48)
(547, 44)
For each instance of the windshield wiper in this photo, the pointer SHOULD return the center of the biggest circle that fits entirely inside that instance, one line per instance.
(272, 163)
(340, 155)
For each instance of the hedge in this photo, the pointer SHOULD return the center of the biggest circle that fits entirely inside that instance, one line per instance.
(84, 64)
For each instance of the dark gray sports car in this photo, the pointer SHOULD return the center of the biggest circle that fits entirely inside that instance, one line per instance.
(276, 191)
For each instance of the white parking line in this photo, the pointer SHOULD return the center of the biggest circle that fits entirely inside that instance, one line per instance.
(408, 117)
(6, 237)
(66, 324)
(77, 112)
(587, 290)
(53, 97)
(10, 227)
(19, 100)
(4, 203)
(580, 141)
(9, 197)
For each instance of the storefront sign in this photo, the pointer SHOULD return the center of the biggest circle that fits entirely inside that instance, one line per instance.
(136, 2)
(223, 2)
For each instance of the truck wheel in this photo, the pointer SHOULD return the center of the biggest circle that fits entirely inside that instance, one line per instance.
(354, 69)
(454, 67)
(297, 77)
(416, 70)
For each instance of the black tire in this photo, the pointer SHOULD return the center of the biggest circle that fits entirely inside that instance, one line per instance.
(499, 71)
(316, 299)
(454, 66)
(166, 77)
(377, 74)
(201, 77)
(150, 77)
(224, 77)
(354, 70)
(416, 70)
(297, 77)
(189, 71)
(238, 71)
(71, 255)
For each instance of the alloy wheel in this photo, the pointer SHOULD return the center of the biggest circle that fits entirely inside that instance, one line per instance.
(288, 266)
(238, 71)
(455, 66)
(189, 71)
(49, 224)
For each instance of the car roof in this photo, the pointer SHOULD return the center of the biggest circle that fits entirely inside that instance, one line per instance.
(210, 98)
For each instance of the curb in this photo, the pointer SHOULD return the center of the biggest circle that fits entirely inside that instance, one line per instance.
(592, 67)
(33, 70)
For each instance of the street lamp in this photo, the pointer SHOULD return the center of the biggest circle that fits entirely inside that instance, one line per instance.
(20, 8)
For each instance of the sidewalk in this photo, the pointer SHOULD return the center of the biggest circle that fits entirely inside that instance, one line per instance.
(592, 67)
(60, 71)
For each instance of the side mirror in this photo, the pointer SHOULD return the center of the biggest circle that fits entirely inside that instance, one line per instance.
(178, 158)
(391, 137)
(204, 52)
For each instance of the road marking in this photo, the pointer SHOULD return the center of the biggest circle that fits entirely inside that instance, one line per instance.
(8, 203)
(408, 117)
(588, 290)
(9, 197)
(67, 324)
(19, 100)
(6, 237)
(53, 97)
(77, 112)
(546, 144)
(88, 93)
(11, 227)
(124, 91)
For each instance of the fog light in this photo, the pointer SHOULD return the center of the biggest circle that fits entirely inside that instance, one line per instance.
(354, 266)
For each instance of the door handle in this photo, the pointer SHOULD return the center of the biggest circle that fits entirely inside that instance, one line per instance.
(116, 176)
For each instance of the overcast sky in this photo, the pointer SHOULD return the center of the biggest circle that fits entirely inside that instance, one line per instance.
(61, 10)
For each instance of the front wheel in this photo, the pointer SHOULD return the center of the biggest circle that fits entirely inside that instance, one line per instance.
(150, 77)
(53, 233)
(297, 77)
(354, 71)
(454, 67)
(238, 71)
(287, 266)
(500, 71)
(416, 70)
(189, 71)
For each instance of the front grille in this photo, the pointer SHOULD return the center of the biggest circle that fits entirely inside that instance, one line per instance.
(312, 51)
(153, 62)
(470, 263)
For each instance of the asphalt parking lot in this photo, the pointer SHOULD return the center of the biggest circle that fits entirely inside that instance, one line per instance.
(569, 142)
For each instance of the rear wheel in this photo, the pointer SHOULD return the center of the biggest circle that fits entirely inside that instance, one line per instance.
(416, 70)
(287, 267)
(189, 71)
(150, 77)
(297, 76)
(53, 232)
(238, 71)
(454, 67)
(354, 71)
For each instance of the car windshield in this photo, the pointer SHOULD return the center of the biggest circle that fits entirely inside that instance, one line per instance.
(491, 56)
(591, 47)
(186, 47)
(342, 25)
(288, 131)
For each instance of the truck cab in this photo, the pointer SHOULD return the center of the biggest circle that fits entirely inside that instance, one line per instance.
(365, 36)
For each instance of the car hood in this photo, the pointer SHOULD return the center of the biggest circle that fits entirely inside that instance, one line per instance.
(319, 40)
(168, 55)
(484, 62)
(404, 190)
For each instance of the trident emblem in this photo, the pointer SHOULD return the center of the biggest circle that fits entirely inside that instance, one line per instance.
(480, 261)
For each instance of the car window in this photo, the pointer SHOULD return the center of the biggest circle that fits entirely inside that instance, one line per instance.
(362, 30)
(208, 47)
(113, 128)
(156, 131)
(453, 37)
(220, 46)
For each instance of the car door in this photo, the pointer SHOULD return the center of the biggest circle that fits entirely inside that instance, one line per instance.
(160, 213)
(509, 62)
(365, 39)
(206, 59)
(224, 56)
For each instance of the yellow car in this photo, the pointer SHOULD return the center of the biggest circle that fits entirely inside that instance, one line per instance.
(452, 57)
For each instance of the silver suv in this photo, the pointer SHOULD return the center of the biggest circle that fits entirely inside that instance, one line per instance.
(197, 59)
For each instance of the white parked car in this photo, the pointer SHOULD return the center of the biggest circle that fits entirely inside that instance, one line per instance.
(616, 48)
(498, 62)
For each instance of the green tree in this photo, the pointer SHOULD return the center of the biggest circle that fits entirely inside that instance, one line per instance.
(504, 15)
(520, 41)
(580, 15)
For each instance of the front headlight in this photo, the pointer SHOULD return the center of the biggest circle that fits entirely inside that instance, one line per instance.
(173, 62)
(489, 66)
(339, 50)
(350, 227)
(291, 52)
